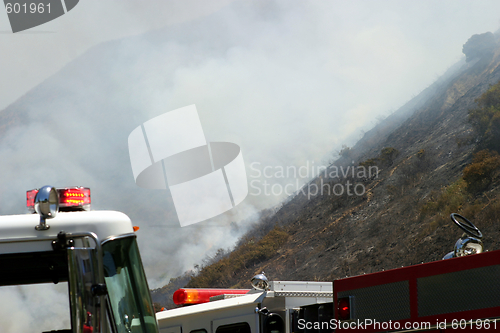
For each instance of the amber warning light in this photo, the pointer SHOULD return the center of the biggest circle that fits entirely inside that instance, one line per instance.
(70, 199)
(197, 296)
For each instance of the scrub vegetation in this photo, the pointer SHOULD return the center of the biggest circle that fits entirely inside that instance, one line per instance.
(248, 254)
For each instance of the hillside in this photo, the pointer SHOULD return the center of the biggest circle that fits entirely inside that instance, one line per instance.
(430, 160)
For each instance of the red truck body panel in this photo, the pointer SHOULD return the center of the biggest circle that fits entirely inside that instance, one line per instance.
(462, 292)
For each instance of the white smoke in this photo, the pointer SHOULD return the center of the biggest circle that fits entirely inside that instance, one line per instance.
(288, 81)
(34, 308)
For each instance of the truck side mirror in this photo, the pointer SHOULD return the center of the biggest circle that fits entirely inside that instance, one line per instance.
(470, 242)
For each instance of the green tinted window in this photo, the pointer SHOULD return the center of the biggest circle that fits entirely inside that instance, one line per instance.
(127, 287)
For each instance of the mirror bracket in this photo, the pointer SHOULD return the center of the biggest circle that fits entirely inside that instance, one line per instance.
(62, 242)
(43, 225)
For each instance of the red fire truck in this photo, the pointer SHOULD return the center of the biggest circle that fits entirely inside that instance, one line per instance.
(460, 293)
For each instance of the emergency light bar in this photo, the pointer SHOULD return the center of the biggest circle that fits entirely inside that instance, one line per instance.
(197, 296)
(70, 199)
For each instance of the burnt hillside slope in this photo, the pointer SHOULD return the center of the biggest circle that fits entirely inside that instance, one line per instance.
(401, 216)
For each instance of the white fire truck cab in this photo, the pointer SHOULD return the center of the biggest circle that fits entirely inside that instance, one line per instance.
(274, 307)
(95, 252)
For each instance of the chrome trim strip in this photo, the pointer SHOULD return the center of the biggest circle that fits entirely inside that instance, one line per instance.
(110, 238)
(30, 239)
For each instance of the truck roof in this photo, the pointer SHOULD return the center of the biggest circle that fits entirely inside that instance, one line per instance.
(18, 234)
(211, 306)
(291, 293)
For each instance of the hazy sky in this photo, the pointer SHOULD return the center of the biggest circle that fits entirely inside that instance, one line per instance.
(292, 81)
(373, 37)
(30, 56)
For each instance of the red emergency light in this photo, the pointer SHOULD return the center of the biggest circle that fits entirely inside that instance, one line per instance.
(196, 296)
(344, 308)
(70, 198)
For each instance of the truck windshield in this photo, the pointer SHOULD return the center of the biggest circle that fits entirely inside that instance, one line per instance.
(128, 291)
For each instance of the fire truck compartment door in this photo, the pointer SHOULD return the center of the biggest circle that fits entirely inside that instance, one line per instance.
(236, 324)
(171, 329)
